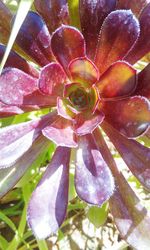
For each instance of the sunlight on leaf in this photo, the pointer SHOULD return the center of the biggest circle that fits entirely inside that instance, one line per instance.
(23, 9)
(98, 215)
(74, 12)
(3, 243)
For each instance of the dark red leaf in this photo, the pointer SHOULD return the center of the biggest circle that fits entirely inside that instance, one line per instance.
(52, 79)
(92, 15)
(135, 155)
(67, 44)
(131, 218)
(117, 81)
(34, 39)
(16, 61)
(84, 71)
(134, 5)
(143, 87)
(143, 44)
(131, 116)
(119, 33)
(15, 85)
(54, 12)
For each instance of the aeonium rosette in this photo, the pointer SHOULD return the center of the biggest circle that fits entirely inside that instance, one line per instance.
(88, 79)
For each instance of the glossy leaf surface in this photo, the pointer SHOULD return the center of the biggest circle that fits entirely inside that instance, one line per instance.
(92, 15)
(48, 203)
(119, 32)
(93, 180)
(65, 48)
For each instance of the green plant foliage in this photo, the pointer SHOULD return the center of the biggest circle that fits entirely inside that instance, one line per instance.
(74, 12)
(98, 215)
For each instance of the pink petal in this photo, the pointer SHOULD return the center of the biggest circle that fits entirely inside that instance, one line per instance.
(64, 109)
(54, 12)
(130, 216)
(34, 39)
(6, 110)
(48, 203)
(51, 80)
(131, 117)
(143, 87)
(118, 80)
(15, 85)
(134, 5)
(85, 123)
(142, 46)
(92, 15)
(67, 44)
(61, 133)
(84, 71)
(15, 140)
(38, 100)
(93, 180)
(135, 155)
(10, 176)
(16, 61)
(119, 33)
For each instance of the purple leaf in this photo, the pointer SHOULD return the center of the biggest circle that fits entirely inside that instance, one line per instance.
(16, 61)
(142, 46)
(86, 122)
(48, 204)
(131, 116)
(134, 5)
(135, 155)
(15, 140)
(64, 110)
(131, 218)
(92, 15)
(93, 180)
(6, 110)
(61, 133)
(15, 85)
(38, 100)
(52, 79)
(143, 87)
(34, 39)
(10, 176)
(54, 12)
(119, 33)
(67, 44)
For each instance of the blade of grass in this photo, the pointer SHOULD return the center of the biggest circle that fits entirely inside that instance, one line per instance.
(23, 9)
(18, 238)
(42, 245)
(4, 218)
(3, 243)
